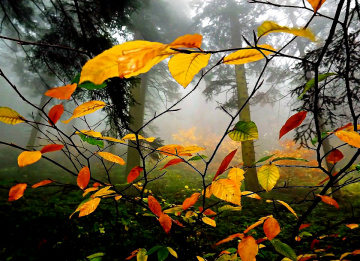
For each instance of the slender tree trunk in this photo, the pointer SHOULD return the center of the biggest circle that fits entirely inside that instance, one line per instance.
(136, 112)
(34, 132)
(247, 147)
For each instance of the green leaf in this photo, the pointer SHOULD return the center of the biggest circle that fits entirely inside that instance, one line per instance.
(231, 250)
(92, 86)
(284, 249)
(91, 140)
(323, 135)
(244, 131)
(209, 255)
(264, 159)
(229, 208)
(311, 83)
(76, 79)
(357, 167)
(198, 157)
(96, 256)
(289, 158)
(162, 253)
(153, 249)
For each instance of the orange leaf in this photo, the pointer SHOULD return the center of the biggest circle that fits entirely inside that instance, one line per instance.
(328, 200)
(316, 4)
(187, 41)
(250, 194)
(261, 220)
(96, 184)
(177, 222)
(350, 137)
(352, 226)
(293, 122)
(302, 226)
(229, 238)
(225, 163)
(334, 156)
(171, 150)
(83, 177)
(207, 212)
(111, 157)
(134, 173)
(63, 92)
(55, 113)
(271, 228)
(133, 254)
(190, 201)
(326, 179)
(356, 252)
(51, 148)
(172, 162)
(165, 222)
(248, 249)
(42, 183)
(17, 191)
(28, 157)
(154, 206)
(89, 207)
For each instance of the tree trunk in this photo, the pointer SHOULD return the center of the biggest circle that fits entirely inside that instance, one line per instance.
(136, 112)
(34, 132)
(247, 147)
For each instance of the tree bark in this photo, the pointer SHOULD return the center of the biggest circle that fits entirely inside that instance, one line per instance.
(247, 147)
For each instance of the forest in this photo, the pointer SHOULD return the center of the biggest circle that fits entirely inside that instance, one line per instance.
(180, 130)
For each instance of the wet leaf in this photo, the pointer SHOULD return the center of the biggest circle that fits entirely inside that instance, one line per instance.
(111, 157)
(85, 109)
(248, 249)
(244, 131)
(17, 191)
(271, 228)
(268, 27)
(9, 116)
(189, 202)
(225, 163)
(63, 92)
(51, 148)
(134, 173)
(42, 183)
(293, 122)
(248, 55)
(55, 113)
(83, 177)
(28, 157)
(268, 175)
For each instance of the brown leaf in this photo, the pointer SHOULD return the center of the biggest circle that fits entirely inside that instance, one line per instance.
(229, 238)
(51, 148)
(28, 157)
(63, 92)
(17, 191)
(165, 222)
(293, 122)
(55, 113)
(248, 249)
(83, 177)
(172, 162)
(42, 183)
(89, 207)
(328, 200)
(154, 206)
(334, 156)
(134, 173)
(188, 202)
(225, 163)
(271, 228)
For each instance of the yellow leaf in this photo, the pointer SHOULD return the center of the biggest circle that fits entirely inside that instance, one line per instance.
(191, 149)
(112, 139)
(63, 92)
(133, 137)
(172, 252)
(141, 255)
(228, 190)
(86, 108)
(236, 175)
(89, 207)
(250, 194)
(199, 258)
(90, 133)
(350, 137)
(268, 175)
(248, 55)
(352, 226)
(209, 221)
(9, 116)
(111, 157)
(28, 157)
(316, 4)
(271, 27)
(183, 67)
(103, 192)
(208, 191)
(88, 190)
(288, 207)
(173, 210)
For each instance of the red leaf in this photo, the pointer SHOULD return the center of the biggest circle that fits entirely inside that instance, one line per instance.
(334, 156)
(154, 206)
(55, 113)
(83, 177)
(42, 183)
(225, 163)
(328, 200)
(133, 254)
(271, 228)
(51, 148)
(17, 191)
(134, 173)
(188, 202)
(293, 122)
(172, 162)
(165, 222)
(96, 184)
(260, 240)
(177, 222)
(314, 243)
(302, 226)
